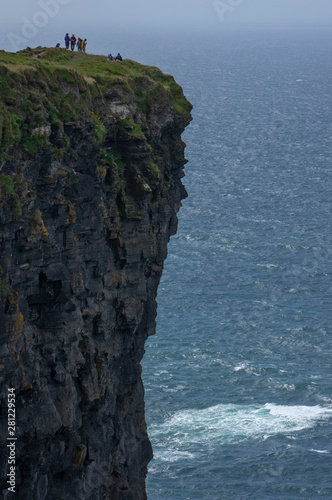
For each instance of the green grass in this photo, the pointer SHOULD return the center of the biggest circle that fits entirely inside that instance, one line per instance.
(10, 123)
(112, 158)
(59, 64)
(131, 128)
(54, 86)
(31, 145)
(6, 185)
(7, 188)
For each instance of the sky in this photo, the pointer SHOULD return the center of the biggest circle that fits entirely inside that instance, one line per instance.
(31, 22)
(175, 14)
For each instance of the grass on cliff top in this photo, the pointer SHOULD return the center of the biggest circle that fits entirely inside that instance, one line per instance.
(96, 68)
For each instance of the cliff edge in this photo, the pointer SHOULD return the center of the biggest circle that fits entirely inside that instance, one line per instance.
(91, 160)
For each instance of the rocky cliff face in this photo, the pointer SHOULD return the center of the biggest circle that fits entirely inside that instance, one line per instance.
(90, 184)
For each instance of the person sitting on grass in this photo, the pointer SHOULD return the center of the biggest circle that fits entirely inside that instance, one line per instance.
(118, 57)
(110, 57)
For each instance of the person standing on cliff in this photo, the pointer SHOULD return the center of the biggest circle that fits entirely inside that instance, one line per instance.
(67, 40)
(84, 44)
(72, 42)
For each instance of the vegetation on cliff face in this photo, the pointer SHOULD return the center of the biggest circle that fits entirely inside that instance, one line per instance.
(91, 161)
(43, 89)
(34, 94)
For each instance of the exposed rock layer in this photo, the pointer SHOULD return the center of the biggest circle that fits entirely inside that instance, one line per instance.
(88, 201)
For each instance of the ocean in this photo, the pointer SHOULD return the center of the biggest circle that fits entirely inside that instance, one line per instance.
(238, 378)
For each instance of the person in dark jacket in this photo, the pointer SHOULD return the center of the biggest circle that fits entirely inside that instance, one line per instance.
(118, 57)
(72, 42)
(67, 40)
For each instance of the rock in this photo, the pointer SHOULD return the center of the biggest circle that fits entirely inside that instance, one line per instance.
(87, 208)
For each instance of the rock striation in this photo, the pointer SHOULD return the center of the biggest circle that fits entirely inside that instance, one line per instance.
(91, 161)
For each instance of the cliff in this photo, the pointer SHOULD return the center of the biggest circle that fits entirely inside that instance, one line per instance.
(91, 160)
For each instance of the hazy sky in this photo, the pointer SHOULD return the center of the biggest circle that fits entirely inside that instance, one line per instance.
(190, 14)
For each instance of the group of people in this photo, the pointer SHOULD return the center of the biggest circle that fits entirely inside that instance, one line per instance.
(117, 58)
(73, 41)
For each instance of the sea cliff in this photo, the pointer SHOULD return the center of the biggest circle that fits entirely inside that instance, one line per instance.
(91, 161)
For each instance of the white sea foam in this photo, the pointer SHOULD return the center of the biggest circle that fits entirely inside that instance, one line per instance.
(234, 423)
(302, 413)
(325, 452)
(172, 455)
(289, 387)
(247, 369)
(243, 366)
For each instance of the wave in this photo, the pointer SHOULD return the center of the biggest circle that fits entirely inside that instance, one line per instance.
(229, 423)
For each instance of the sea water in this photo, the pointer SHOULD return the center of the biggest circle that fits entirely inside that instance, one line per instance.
(238, 377)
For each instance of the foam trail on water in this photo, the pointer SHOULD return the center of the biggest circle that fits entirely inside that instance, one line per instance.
(234, 423)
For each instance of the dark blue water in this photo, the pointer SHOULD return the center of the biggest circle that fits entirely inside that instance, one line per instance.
(238, 378)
